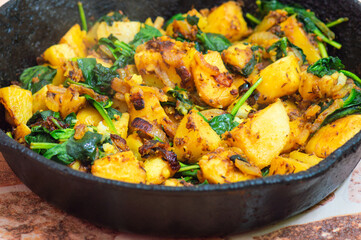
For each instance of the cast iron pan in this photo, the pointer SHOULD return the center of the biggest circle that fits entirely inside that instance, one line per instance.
(28, 27)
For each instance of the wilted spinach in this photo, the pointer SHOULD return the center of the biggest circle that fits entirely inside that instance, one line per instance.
(144, 35)
(325, 66)
(59, 154)
(34, 78)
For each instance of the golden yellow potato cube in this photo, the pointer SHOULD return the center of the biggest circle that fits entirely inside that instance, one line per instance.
(124, 31)
(227, 19)
(89, 116)
(58, 54)
(333, 135)
(309, 159)
(194, 137)
(294, 32)
(75, 39)
(122, 166)
(158, 170)
(39, 100)
(18, 103)
(134, 142)
(263, 136)
(280, 78)
(282, 165)
(20, 132)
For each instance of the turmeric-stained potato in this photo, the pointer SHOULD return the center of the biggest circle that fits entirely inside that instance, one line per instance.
(124, 31)
(58, 54)
(194, 138)
(18, 103)
(64, 100)
(172, 182)
(227, 19)
(121, 124)
(298, 136)
(273, 18)
(59, 77)
(217, 167)
(135, 142)
(334, 135)
(122, 166)
(294, 32)
(39, 100)
(158, 170)
(282, 165)
(281, 78)
(263, 136)
(312, 87)
(263, 39)
(309, 159)
(20, 132)
(144, 102)
(89, 116)
(75, 39)
(214, 84)
(238, 55)
(168, 59)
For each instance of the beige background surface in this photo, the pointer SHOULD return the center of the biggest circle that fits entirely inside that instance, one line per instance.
(23, 215)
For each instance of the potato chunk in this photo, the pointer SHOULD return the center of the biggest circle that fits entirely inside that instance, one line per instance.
(263, 136)
(227, 19)
(124, 31)
(20, 132)
(298, 37)
(89, 116)
(214, 84)
(122, 166)
(18, 103)
(238, 55)
(309, 159)
(217, 167)
(168, 59)
(158, 170)
(282, 165)
(143, 102)
(39, 100)
(75, 39)
(194, 138)
(58, 54)
(64, 100)
(334, 135)
(281, 78)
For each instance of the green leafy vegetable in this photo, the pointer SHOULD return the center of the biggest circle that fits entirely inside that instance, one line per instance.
(351, 105)
(223, 123)
(311, 23)
(356, 79)
(265, 171)
(336, 22)
(325, 66)
(42, 116)
(84, 149)
(249, 67)
(117, 16)
(70, 120)
(82, 16)
(213, 41)
(144, 35)
(122, 52)
(62, 134)
(34, 78)
(253, 18)
(59, 154)
(192, 20)
(281, 48)
(97, 77)
(101, 108)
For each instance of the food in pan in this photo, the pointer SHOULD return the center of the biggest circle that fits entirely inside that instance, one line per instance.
(203, 98)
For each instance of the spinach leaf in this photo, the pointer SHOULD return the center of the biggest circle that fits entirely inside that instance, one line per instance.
(84, 149)
(192, 20)
(144, 35)
(351, 105)
(101, 108)
(178, 16)
(311, 23)
(59, 154)
(34, 78)
(281, 48)
(70, 120)
(213, 41)
(87, 65)
(42, 116)
(265, 171)
(325, 66)
(112, 112)
(122, 52)
(117, 16)
(62, 134)
(102, 80)
(223, 123)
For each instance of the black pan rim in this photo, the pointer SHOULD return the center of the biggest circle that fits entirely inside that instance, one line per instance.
(313, 172)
